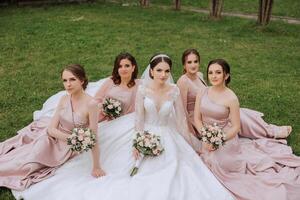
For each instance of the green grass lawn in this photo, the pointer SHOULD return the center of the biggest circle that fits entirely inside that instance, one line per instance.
(35, 44)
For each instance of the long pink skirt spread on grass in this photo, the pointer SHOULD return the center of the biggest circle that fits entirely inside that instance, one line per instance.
(32, 155)
(261, 169)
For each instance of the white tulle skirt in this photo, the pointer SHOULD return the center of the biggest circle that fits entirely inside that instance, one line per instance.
(177, 174)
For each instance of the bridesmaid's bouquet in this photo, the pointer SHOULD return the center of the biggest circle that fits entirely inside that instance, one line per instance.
(111, 108)
(213, 134)
(81, 139)
(147, 144)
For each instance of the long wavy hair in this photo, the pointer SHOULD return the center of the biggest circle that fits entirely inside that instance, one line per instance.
(115, 74)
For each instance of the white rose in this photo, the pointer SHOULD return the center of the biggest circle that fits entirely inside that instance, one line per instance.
(84, 143)
(87, 140)
(80, 138)
(110, 106)
(141, 144)
(147, 140)
(147, 143)
(88, 133)
(81, 131)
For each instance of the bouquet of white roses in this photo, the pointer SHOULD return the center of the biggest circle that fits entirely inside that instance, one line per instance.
(147, 144)
(81, 139)
(111, 108)
(213, 134)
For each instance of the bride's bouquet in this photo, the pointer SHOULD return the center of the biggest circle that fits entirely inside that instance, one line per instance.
(111, 108)
(212, 134)
(147, 144)
(81, 139)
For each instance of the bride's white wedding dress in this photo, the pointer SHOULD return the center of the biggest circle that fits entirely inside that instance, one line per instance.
(177, 174)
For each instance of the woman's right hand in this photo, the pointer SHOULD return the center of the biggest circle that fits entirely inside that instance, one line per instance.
(135, 153)
(208, 146)
(98, 172)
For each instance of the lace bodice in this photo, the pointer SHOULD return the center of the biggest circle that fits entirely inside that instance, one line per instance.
(155, 115)
(152, 109)
(166, 110)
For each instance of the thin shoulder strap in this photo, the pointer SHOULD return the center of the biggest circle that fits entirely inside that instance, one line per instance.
(204, 83)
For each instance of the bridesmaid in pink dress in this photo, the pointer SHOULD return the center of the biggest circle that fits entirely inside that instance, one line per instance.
(261, 169)
(40, 148)
(192, 82)
(122, 85)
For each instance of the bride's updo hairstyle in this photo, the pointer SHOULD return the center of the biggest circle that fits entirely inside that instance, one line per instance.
(115, 74)
(79, 72)
(225, 66)
(158, 58)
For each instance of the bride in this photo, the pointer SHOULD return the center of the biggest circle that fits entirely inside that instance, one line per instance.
(178, 173)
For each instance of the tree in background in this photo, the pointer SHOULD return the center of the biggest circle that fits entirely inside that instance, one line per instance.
(216, 7)
(177, 4)
(264, 12)
(144, 3)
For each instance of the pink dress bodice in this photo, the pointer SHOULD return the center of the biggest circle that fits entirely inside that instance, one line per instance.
(189, 104)
(69, 119)
(212, 112)
(193, 90)
(125, 95)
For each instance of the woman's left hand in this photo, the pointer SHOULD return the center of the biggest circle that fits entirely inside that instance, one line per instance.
(98, 172)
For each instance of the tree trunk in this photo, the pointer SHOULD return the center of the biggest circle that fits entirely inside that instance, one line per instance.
(216, 7)
(177, 4)
(144, 3)
(264, 12)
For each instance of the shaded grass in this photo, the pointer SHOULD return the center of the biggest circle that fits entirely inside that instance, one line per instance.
(35, 44)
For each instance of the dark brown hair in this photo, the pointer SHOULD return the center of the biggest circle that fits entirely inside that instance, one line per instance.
(185, 55)
(225, 66)
(115, 74)
(78, 71)
(157, 60)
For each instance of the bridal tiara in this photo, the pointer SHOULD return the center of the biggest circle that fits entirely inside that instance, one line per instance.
(159, 55)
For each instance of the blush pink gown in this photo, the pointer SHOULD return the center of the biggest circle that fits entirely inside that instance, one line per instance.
(125, 95)
(252, 124)
(33, 155)
(260, 169)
